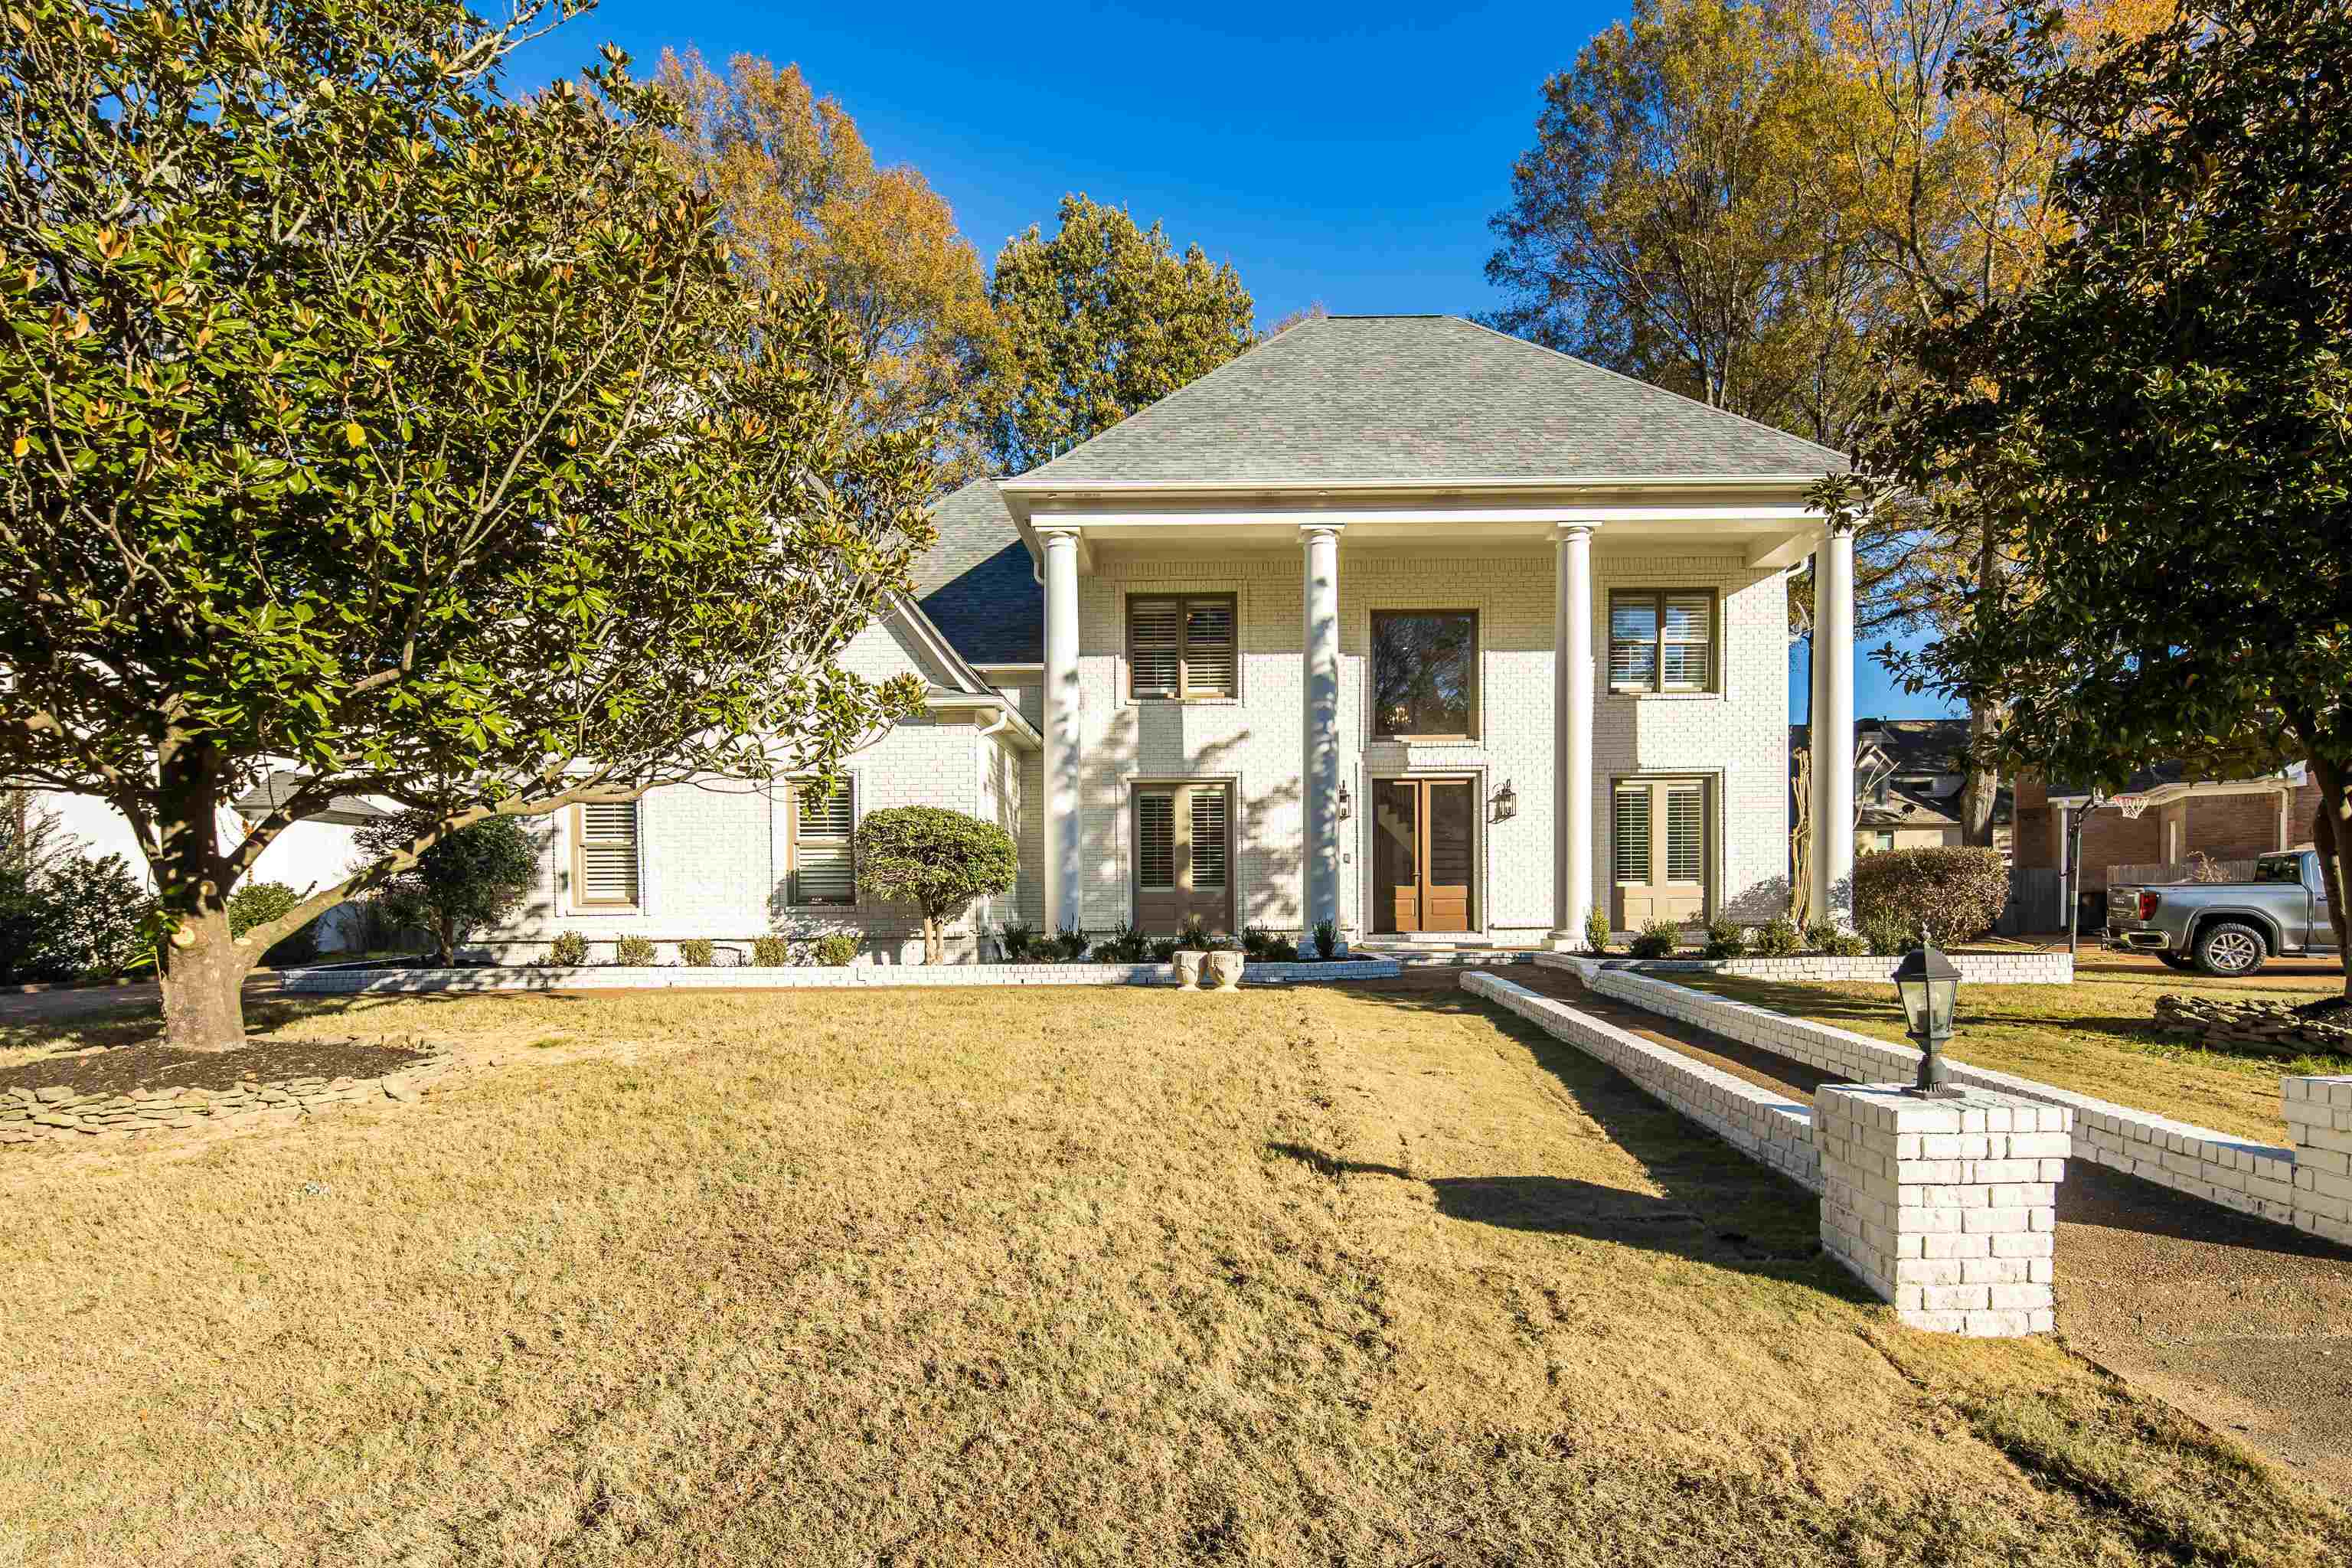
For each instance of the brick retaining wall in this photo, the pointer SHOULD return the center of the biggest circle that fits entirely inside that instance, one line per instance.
(615, 977)
(1982, 968)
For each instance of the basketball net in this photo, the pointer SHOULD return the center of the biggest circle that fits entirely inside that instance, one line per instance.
(2131, 805)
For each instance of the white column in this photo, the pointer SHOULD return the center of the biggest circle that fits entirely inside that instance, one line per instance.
(1063, 864)
(1832, 728)
(1571, 703)
(1318, 771)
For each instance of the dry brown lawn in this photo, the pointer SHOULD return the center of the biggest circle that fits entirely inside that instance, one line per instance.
(2093, 1036)
(1025, 1277)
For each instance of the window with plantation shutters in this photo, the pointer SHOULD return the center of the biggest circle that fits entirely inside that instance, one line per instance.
(604, 856)
(1685, 832)
(1662, 640)
(824, 869)
(1181, 646)
(1209, 839)
(1155, 836)
(1184, 856)
(1632, 835)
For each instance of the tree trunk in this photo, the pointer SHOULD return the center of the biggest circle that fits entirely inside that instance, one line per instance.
(2331, 827)
(933, 950)
(444, 932)
(1981, 792)
(204, 966)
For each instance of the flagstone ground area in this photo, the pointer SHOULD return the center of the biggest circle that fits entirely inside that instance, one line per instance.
(1375, 1275)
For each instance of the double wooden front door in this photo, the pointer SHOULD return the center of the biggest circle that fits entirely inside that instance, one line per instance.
(1658, 856)
(1425, 833)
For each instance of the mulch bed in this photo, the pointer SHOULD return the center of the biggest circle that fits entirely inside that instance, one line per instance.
(126, 1067)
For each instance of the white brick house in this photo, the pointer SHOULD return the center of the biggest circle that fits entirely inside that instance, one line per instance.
(1391, 621)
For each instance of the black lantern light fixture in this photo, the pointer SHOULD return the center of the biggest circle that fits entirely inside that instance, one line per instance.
(1506, 802)
(1931, 988)
(1346, 802)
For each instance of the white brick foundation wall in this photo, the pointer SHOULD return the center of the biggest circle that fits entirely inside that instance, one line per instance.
(1980, 968)
(404, 981)
(1946, 1206)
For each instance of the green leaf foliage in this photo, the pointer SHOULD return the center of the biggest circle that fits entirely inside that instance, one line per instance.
(463, 879)
(2163, 418)
(936, 859)
(357, 418)
(1096, 322)
(1956, 893)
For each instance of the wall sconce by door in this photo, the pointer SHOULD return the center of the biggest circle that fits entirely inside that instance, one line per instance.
(1346, 802)
(1505, 804)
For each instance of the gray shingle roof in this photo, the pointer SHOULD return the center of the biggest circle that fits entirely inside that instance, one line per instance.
(279, 786)
(1367, 398)
(977, 583)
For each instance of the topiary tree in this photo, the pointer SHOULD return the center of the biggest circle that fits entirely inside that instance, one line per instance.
(1956, 893)
(936, 859)
(470, 877)
(358, 418)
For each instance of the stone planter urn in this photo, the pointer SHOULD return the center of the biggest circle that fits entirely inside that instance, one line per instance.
(1188, 967)
(1224, 972)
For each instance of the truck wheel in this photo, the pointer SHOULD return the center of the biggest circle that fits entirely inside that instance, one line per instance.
(2230, 948)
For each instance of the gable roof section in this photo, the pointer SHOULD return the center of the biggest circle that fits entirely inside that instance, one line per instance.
(978, 583)
(1425, 399)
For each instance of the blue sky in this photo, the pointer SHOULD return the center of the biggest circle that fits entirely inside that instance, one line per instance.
(1349, 155)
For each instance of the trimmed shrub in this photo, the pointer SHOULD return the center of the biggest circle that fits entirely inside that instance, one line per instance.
(473, 878)
(1725, 938)
(838, 949)
(696, 952)
(569, 951)
(770, 951)
(1164, 948)
(1596, 929)
(1777, 938)
(75, 919)
(1819, 934)
(1956, 893)
(1846, 944)
(1657, 940)
(1125, 944)
(936, 859)
(1017, 941)
(1067, 946)
(1885, 935)
(1280, 950)
(633, 953)
(1326, 939)
(258, 903)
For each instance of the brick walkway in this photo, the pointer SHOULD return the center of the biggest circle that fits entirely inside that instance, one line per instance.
(2244, 1325)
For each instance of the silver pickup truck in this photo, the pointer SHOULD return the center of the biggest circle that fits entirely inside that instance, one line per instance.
(2227, 927)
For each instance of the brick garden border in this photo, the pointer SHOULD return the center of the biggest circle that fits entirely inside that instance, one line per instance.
(62, 1115)
(617, 977)
(1980, 968)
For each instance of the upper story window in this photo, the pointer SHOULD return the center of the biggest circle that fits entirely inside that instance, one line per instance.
(1425, 674)
(604, 856)
(1180, 646)
(824, 869)
(1662, 640)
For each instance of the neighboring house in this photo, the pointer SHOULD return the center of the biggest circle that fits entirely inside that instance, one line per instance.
(1908, 784)
(1285, 646)
(2175, 816)
(315, 852)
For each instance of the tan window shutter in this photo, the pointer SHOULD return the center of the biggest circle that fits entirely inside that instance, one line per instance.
(1209, 840)
(1209, 653)
(604, 868)
(824, 866)
(1155, 833)
(1685, 833)
(1155, 646)
(1632, 835)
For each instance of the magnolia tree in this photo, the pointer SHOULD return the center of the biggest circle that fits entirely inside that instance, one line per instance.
(936, 859)
(2165, 417)
(357, 418)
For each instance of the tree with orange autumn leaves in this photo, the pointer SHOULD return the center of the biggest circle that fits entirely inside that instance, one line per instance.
(1749, 200)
